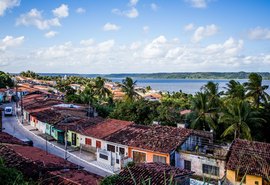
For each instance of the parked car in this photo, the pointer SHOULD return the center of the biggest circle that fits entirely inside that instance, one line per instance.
(8, 111)
(27, 142)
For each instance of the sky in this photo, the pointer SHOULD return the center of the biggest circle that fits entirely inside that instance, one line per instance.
(134, 36)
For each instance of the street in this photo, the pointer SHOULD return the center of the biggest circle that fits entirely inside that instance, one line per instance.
(11, 126)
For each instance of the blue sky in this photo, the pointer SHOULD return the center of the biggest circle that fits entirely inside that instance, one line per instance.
(120, 36)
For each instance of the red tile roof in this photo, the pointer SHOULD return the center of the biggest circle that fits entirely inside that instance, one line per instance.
(156, 173)
(70, 177)
(105, 128)
(31, 161)
(155, 138)
(251, 157)
(6, 138)
(37, 164)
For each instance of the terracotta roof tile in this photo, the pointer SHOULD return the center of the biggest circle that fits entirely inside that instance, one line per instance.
(155, 138)
(105, 128)
(6, 138)
(70, 177)
(156, 173)
(251, 157)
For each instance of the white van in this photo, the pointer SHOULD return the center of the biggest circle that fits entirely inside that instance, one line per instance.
(8, 111)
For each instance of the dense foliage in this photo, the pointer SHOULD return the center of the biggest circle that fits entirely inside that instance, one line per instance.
(11, 176)
(5, 80)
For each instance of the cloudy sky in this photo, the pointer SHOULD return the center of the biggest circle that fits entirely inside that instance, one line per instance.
(123, 36)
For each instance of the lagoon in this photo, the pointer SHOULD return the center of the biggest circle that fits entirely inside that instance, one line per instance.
(190, 86)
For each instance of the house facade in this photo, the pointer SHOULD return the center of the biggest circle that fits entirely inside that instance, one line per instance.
(201, 156)
(249, 163)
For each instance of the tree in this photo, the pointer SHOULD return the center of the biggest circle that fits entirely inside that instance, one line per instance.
(128, 87)
(100, 90)
(256, 90)
(235, 90)
(238, 115)
(202, 116)
(212, 91)
(5, 80)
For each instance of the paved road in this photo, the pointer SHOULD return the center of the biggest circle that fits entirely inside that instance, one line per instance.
(11, 126)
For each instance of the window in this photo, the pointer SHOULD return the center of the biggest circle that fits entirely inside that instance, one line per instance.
(159, 159)
(117, 161)
(98, 144)
(88, 141)
(240, 176)
(187, 165)
(256, 183)
(110, 148)
(121, 151)
(139, 157)
(211, 170)
(102, 156)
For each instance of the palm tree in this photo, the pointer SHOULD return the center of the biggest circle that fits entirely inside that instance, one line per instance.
(88, 96)
(100, 90)
(202, 116)
(128, 87)
(235, 90)
(256, 90)
(212, 91)
(239, 115)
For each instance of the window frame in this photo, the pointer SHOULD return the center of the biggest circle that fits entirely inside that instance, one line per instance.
(158, 157)
(214, 170)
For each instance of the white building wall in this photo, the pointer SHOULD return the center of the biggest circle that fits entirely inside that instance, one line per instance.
(197, 162)
(41, 127)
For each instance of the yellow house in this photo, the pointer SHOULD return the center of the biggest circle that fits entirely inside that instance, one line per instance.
(249, 163)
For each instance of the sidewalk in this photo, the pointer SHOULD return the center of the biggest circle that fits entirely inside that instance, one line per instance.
(84, 156)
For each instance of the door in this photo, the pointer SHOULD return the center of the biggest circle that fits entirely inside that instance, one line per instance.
(139, 157)
(61, 137)
(74, 139)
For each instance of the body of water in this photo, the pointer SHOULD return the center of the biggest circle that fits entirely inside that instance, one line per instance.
(190, 86)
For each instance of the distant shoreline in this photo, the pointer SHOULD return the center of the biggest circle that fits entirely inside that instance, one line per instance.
(174, 75)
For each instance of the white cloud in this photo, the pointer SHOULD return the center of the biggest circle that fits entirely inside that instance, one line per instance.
(230, 47)
(61, 11)
(34, 18)
(10, 41)
(189, 27)
(8, 4)
(80, 10)
(88, 42)
(197, 3)
(155, 48)
(130, 13)
(203, 32)
(259, 33)
(157, 55)
(146, 29)
(133, 2)
(110, 27)
(154, 6)
(50, 34)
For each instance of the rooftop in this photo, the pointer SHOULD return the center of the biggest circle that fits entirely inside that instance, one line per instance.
(251, 157)
(106, 128)
(37, 164)
(155, 138)
(157, 173)
(72, 177)
(6, 138)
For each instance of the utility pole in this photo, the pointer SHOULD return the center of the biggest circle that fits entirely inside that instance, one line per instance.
(65, 142)
(1, 123)
(46, 145)
(22, 109)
